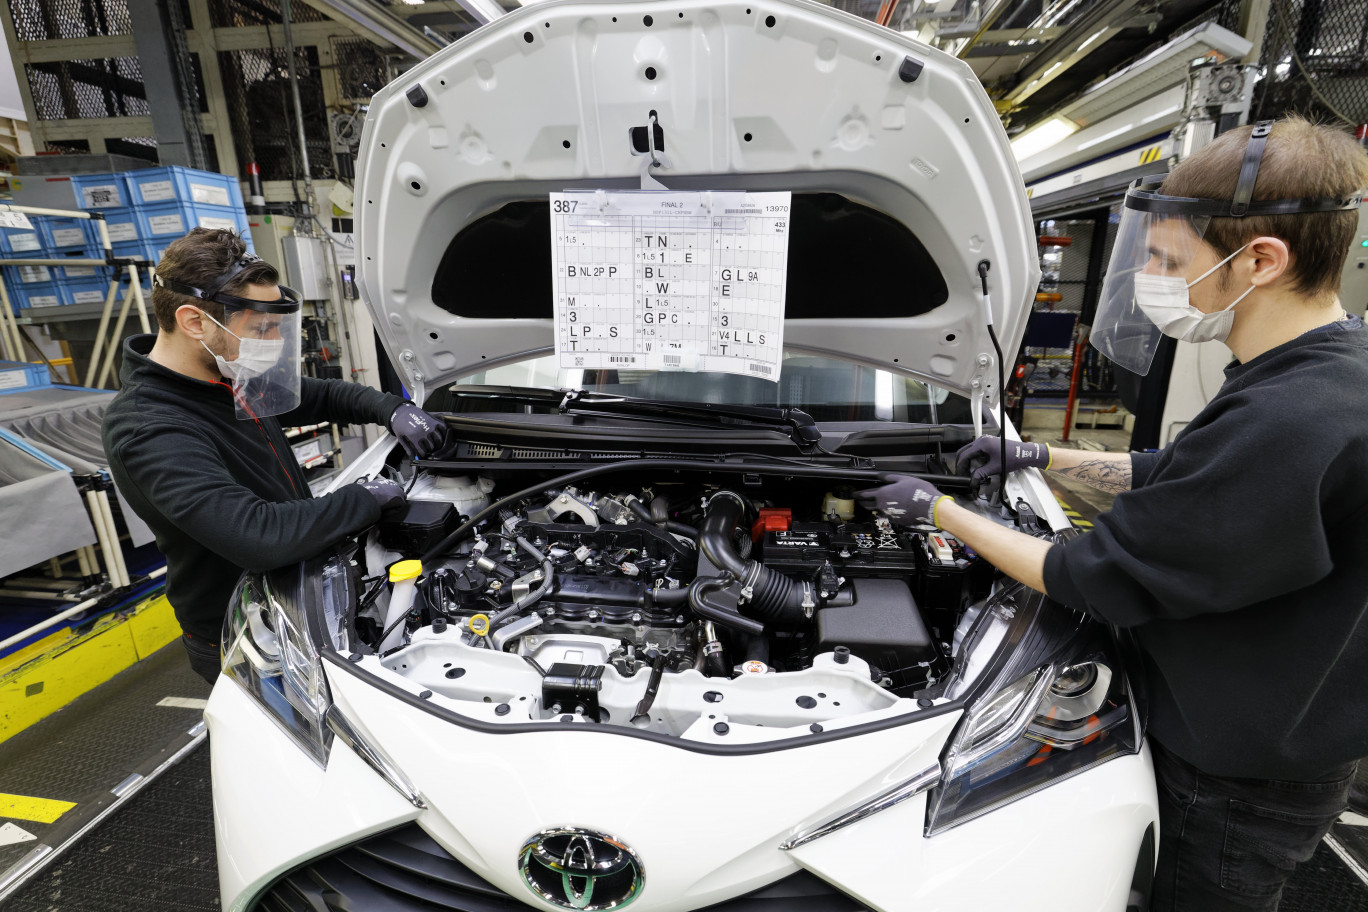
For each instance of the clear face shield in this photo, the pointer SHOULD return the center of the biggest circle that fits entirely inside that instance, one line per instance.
(256, 345)
(258, 352)
(1154, 255)
(1160, 253)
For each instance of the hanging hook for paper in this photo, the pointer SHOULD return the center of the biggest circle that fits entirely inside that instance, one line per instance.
(650, 141)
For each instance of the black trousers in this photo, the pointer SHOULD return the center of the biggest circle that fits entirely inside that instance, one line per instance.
(204, 657)
(1231, 844)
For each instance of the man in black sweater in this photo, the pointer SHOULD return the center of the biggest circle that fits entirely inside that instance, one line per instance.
(1236, 555)
(194, 436)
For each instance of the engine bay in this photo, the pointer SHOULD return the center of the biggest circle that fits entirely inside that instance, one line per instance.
(731, 609)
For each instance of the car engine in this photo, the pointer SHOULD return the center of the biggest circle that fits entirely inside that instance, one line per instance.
(592, 585)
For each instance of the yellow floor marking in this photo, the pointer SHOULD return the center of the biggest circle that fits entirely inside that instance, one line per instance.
(33, 650)
(153, 626)
(50, 681)
(39, 810)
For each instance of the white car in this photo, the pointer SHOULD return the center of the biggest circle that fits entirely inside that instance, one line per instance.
(633, 643)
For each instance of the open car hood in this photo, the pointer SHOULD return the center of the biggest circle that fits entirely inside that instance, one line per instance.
(901, 175)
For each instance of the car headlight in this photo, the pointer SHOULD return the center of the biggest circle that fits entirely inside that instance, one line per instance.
(268, 651)
(1029, 731)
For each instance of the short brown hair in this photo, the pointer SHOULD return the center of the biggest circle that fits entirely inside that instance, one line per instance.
(198, 259)
(1301, 160)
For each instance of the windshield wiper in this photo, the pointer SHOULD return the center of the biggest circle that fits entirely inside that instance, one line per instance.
(797, 424)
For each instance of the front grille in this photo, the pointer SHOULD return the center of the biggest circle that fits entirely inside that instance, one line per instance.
(405, 870)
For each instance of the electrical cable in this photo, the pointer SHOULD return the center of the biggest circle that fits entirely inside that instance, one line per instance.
(983, 268)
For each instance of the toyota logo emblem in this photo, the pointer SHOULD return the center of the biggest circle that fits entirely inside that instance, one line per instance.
(581, 869)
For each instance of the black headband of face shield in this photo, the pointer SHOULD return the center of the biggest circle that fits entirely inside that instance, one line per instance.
(287, 303)
(1144, 195)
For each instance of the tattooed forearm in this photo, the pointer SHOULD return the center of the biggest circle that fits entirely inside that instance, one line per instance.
(1110, 475)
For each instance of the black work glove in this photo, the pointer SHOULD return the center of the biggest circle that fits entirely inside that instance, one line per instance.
(983, 458)
(420, 434)
(389, 494)
(903, 499)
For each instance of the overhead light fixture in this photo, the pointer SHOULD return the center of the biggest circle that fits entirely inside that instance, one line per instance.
(1146, 122)
(1154, 73)
(1041, 137)
(1112, 134)
(1095, 35)
(1171, 109)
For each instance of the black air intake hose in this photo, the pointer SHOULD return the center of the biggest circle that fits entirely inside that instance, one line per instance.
(772, 596)
(714, 599)
(663, 521)
(715, 535)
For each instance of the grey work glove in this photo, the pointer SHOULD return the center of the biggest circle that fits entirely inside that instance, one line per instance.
(904, 499)
(983, 458)
(420, 434)
(389, 494)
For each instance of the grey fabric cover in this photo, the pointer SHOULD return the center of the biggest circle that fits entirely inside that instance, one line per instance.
(65, 424)
(42, 514)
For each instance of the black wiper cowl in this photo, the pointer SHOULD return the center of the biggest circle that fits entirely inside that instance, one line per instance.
(796, 423)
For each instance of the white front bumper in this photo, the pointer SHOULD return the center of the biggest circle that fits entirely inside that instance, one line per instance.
(707, 827)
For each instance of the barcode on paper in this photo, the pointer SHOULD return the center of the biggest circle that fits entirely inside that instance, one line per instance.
(673, 360)
(621, 359)
(760, 369)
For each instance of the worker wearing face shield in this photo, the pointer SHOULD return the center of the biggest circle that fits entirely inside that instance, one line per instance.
(1234, 558)
(195, 440)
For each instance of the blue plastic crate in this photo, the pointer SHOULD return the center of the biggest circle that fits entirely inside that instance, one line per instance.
(140, 249)
(184, 185)
(16, 276)
(77, 273)
(122, 224)
(165, 222)
(21, 242)
(100, 191)
(84, 291)
(59, 232)
(38, 294)
(145, 280)
(80, 270)
(144, 252)
(17, 375)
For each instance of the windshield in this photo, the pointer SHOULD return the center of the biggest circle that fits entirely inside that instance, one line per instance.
(828, 389)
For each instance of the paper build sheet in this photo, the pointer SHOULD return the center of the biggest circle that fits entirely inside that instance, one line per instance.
(670, 280)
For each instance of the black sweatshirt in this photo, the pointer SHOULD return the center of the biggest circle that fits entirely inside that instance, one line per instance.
(1239, 559)
(223, 494)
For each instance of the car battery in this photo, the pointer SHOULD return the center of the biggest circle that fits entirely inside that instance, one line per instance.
(947, 567)
(854, 549)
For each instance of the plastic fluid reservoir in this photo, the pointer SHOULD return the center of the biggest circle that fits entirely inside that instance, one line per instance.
(403, 576)
(844, 507)
(470, 497)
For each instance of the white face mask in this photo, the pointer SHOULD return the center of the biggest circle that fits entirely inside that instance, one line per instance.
(1164, 299)
(255, 356)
